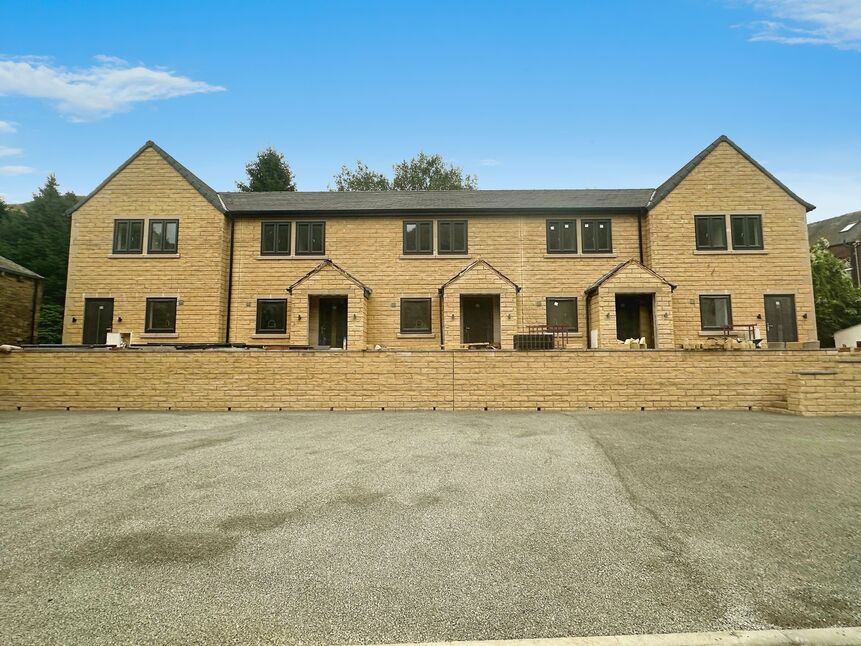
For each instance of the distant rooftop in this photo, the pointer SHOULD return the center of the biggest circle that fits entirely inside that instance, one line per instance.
(14, 268)
(843, 228)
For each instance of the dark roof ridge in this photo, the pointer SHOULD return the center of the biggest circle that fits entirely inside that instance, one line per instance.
(198, 184)
(667, 187)
(12, 267)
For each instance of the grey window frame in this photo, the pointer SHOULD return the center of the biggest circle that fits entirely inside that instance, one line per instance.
(276, 224)
(547, 300)
(159, 299)
(453, 252)
(419, 224)
(163, 222)
(426, 330)
(281, 330)
(562, 248)
(744, 217)
(128, 221)
(301, 225)
(708, 247)
(728, 299)
(596, 221)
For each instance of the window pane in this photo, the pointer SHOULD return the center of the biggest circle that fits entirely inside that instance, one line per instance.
(554, 236)
(459, 237)
(452, 237)
(161, 315)
(747, 231)
(155, 238)
(426, 237)
(271, 316)
(267, 241)
(121, 236)
(569, 236)
(411, 237)
(283, 239)
(597, 236)
(444, 237)
(310, 238)
(715, 312)
(415, 315)
(418, 237)
(717, 233)
(135, 235)
(170, 235)
(562, 312)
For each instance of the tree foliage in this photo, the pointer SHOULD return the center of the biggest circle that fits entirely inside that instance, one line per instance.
(361, 178)
(37, 236)
(269, 172)
(421, 173)
(837, 300)
(50, 329)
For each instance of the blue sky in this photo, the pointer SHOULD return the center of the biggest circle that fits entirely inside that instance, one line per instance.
(522, 94)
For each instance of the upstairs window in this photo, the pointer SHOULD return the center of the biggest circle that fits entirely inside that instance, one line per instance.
(746, 231)
(562, 312)
(597, 236)
(310, 238)
(160, 315)
(711, 232)
(418, 237)
(715, 312)
(128, 236)
(163, 236)
(271, 316)
(561, 236)
(415, 316)
(275, 239)
(452, 237)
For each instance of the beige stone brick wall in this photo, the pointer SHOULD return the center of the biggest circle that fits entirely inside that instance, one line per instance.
(726, 183)
(149, 188)
(16, 308)
(835, 390)
(294, 380)
(370, 248)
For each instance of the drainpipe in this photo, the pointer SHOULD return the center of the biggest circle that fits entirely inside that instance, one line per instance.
(36, 284)
(640, 234)
(441, 320)
(229, 282)
(588, 328)
(857, 267)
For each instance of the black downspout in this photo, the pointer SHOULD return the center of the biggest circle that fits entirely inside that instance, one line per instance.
(588, 327)
(229, 282)
(441, 321)
(640, 235)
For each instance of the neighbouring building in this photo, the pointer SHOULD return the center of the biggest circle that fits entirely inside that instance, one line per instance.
(20, 299)
(843, 234)
(720, 246)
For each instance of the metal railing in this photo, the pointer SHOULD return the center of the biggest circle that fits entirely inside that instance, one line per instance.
(542, 337)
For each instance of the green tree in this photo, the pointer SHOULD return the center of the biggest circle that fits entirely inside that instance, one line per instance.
(361, 178)
(421, 173)
(3, 209)
(838, 301)
(431, 173)
(50, 328)
(37, 236)
(269, 172)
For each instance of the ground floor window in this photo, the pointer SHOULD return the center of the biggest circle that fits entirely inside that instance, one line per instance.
(562, 312)
(271, 316)
(415, 315)
(160, 315)
(715, 312)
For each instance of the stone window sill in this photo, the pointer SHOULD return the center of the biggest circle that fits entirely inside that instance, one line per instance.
(423, 335)
(712, 333)
(158, 335)
(292, 257)
(731, 252)
(428, 256)
(143, 256)
(580, 255)
(279, 337)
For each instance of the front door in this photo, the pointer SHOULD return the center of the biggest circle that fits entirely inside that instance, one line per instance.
(98, 318)
(332, 330)
(627, 316)
(780, 318)
(477, 319)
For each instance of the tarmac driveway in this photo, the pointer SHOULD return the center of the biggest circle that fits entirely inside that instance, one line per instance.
(322, 528)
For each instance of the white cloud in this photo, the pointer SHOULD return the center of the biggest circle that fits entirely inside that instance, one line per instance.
(489, 162)
(810, 22)
(6, 151)
(7, 127)
(15, 170)
(95, 92)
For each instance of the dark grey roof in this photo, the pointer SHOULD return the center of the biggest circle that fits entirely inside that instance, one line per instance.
(603, 279)
(14, 268)
(364, 202)
(830, 229)
(667, 187)
(199, 185)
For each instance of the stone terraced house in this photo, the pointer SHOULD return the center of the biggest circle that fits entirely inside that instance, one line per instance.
(721, 246)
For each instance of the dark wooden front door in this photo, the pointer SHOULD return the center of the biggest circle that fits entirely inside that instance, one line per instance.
(627, 316)
(780, 322)
(332, 329)
(477, 319)
(98, 318)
